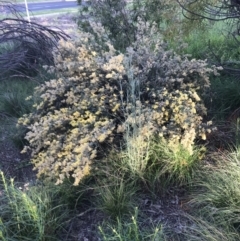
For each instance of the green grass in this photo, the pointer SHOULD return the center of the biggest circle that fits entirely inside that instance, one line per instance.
(13, 104)
(212, 42)
(218, 47)
(130, 230)
(13, 94)
(225, 96)
(116, 199)
(172, 165)
(135, 156)
(217, 194)
(198, 229)
(28, 212)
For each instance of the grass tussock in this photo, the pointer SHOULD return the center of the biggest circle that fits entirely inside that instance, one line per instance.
(174, 164)
(29, 212)
(217, 194)
(116, 199)
(126, 230)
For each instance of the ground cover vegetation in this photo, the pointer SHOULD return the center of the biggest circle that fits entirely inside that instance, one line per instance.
(133, 129)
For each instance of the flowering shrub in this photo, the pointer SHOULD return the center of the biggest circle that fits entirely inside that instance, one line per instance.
(77, 111)
(99, 92)
(169, 92)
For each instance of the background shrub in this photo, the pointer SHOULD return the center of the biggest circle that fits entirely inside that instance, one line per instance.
(119, 18)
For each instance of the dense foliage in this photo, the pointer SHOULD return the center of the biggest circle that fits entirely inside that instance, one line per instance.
(225, 12)
(97, 94)
(119, 18)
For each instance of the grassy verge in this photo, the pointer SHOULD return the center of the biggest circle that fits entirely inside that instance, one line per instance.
(57, 11)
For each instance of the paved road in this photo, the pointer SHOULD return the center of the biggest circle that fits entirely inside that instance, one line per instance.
(47, 5)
